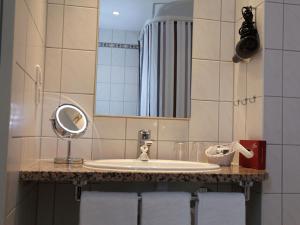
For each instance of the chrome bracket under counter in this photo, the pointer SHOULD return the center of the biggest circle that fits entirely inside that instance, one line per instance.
(244, 184)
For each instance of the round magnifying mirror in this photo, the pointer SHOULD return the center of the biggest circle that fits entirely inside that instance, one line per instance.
(69, 121)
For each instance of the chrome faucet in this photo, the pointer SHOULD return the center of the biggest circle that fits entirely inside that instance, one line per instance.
(144, 144)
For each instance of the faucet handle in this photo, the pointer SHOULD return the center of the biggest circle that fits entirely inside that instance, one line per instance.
(144, 134)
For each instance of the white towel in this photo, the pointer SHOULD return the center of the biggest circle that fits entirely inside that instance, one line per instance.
(166, 208)
(221, 208)
(100, 208)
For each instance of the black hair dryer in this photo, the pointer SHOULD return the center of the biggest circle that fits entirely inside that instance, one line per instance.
(249, 42)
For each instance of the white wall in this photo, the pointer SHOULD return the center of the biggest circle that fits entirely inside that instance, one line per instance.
(281, 112)
(25, 111)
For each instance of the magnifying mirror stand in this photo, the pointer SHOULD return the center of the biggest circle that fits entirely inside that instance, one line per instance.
(68, 160)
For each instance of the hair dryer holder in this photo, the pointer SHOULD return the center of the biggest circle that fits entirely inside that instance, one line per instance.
(249, 42)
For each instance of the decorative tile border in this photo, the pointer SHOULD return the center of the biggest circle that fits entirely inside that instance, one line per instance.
(117, 45)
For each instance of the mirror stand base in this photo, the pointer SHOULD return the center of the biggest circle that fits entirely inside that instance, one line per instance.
(68, 161)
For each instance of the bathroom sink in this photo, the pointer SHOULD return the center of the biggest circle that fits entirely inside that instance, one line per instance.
(151, 165)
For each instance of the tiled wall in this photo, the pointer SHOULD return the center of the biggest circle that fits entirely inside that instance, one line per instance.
(70, 69)
(282, 109)
(213, 76)
(248, 115)
(26, 108)
(117, 74)
(70, 73)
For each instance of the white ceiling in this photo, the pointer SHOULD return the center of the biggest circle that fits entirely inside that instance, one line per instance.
(133, 13)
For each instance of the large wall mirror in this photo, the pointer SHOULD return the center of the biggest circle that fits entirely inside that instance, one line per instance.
(144, 58)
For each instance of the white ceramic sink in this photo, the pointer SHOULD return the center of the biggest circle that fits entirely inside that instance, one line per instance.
(151, 165)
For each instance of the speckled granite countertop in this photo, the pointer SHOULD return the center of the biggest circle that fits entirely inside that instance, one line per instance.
(45, 171)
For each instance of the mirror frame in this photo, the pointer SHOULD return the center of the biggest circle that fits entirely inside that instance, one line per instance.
(95, 115)
(62, 131)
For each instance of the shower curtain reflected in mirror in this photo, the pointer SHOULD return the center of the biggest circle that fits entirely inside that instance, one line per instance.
(165, 67)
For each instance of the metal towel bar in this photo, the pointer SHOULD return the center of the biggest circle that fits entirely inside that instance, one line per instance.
(245, 184)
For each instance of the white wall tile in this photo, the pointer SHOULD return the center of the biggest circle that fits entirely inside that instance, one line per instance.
(206, 46)
(17, 93)
(291, 2)
(103, 74)
(131, 75)
(119, 36)
(274, 27)
(78, 71)
(239, 122)
(102, 108)
(30, 119)
(118, 57)
(226, 122)
(116, 108)
(56, 1)
(55, 25)
(167, 150)
(271, 209)
(228, 10)
(35, 51)
(103, 91)
(131, 92)
(134, 125)
(254, 120)
(30, 150)
(291, 121)
(173, 130)
(255, 76)
(291, 207)
(274, 168)
(104, 56)
(291, 180)
(80, 30)
(51, 102)
(117, 92)
(108, 149)
(226, 81)
(105, 35)
(204, 121)
(84, 3)
(53, 69)
(80, 148)
(240, 81)
(207, 9)
(273, 120)
(291, 33)
(132, 37)
(21, 23)
(273, 72)
(131, 108)
(109, 128)
(48, 147)
(132, 57)
(291, 80)
(227, 41)
(117, 74)
(205, 84)
(38, 11)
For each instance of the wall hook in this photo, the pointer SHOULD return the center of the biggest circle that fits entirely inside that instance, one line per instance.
(244, 101)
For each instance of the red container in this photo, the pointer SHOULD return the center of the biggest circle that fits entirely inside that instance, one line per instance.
(259, 159)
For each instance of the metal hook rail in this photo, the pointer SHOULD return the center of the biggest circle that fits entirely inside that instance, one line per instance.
(245, 184)
(245, 101)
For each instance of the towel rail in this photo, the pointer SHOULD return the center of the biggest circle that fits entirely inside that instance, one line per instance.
(245, 184)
